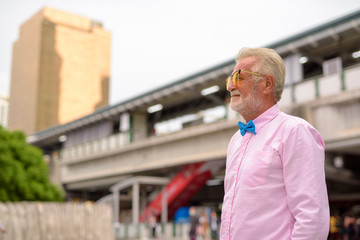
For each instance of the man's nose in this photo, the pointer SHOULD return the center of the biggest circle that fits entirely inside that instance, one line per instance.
(231, 86)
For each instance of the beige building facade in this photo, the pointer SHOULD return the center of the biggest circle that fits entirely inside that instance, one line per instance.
(60, 70)
(4, 108)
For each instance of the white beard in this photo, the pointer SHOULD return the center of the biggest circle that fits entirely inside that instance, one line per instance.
(248, 106)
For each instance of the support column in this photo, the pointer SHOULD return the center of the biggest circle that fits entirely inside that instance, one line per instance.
(142, 200)
(164, 207)
(135, 203)
(116, 206)
(139, 126)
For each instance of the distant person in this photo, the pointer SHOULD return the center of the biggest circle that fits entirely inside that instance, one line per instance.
(203, 225)
(2, 228)
(194, 222)
(275, 180)
(214, 226)
(153, 225)
(350, 230)
(335, 223)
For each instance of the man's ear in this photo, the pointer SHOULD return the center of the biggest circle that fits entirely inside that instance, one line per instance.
(269, 84)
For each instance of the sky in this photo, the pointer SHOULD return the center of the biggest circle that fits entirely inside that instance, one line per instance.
(157, 42)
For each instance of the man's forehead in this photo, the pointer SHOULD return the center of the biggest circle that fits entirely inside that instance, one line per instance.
(245, 63)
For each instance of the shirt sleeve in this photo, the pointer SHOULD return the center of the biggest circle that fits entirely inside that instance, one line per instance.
(304, 176)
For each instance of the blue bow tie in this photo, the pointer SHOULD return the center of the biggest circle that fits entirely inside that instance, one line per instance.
(250, 126)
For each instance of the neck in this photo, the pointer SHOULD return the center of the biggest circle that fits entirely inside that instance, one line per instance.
(253, 113)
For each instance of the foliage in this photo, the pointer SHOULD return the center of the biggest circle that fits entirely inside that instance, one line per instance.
(23, 172)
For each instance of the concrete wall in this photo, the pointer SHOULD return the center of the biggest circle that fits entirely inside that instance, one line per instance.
(31, 220)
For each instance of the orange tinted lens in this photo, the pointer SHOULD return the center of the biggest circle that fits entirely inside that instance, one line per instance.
(236, 78)
(228, 79)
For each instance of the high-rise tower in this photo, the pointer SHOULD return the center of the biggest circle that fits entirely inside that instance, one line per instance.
(60, 70)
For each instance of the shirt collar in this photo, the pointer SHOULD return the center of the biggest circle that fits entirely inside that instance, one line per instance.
(266, 117)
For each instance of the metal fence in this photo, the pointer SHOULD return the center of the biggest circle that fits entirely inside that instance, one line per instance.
(56, 221)
(168, 231)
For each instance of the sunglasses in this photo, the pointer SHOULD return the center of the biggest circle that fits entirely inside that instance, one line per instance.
(235, 77)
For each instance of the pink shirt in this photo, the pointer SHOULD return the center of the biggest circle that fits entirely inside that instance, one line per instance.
(275, 182)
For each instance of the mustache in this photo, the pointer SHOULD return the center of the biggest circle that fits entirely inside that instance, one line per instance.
(233, 93)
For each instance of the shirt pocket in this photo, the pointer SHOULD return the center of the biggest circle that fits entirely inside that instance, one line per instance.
(255, 171)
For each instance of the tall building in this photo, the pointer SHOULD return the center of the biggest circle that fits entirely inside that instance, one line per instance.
(60, 70)
(4, 108)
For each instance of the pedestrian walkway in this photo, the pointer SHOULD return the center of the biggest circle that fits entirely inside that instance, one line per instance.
(159, 238)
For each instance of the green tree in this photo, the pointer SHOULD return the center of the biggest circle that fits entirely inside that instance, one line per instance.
(23, 172)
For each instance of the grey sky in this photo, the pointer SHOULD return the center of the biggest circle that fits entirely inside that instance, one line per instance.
(155, 42)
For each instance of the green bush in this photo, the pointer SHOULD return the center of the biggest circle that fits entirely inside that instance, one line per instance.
(23, 172)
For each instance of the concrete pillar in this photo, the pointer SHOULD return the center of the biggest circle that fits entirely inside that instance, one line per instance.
(164, 207)
(139, 126)
(142, 199)
(116, 206)
(135, 203)
(294, 69)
